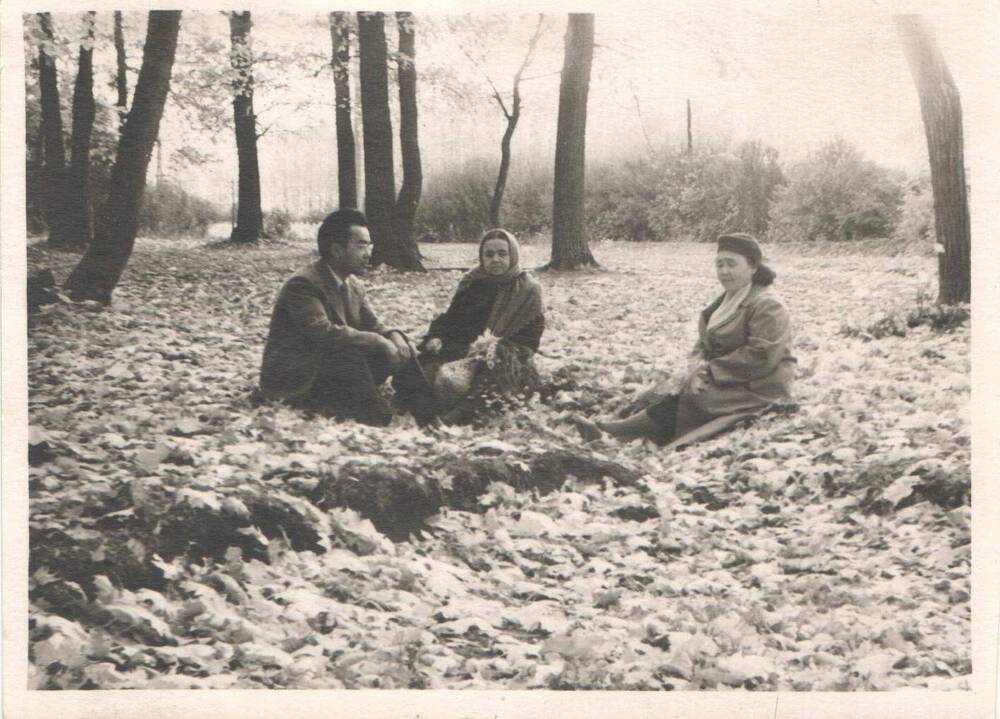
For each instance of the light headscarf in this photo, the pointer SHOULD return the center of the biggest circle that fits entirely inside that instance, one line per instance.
(519, 296)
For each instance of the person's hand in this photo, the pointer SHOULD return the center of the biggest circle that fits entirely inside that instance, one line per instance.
(402, 346)
(434, 345)
(699, 379)
(386, 348)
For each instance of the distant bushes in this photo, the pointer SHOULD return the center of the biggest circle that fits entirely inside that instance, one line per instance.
(676, 195)
(835, 194)
(455, 206)
(621, 199)
(167, 209)
(916, 220)
(170, 211)
(669, 195)
(277, 224)
(832, 194)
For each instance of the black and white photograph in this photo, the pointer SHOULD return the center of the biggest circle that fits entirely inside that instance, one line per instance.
(542, 349)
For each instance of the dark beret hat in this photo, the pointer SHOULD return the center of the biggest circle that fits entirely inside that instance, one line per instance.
(742, 244)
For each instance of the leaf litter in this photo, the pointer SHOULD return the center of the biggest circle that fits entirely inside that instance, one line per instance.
(175, 541)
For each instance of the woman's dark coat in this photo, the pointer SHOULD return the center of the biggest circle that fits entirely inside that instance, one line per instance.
(466, 318)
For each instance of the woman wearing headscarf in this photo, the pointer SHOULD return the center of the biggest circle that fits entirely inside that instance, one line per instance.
(741, 363)
(491, 330)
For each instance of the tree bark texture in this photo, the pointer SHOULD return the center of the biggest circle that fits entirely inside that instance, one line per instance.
(380, 180)
(941, 109)
(249, 216)
(569, 242)
(340, 36)
(407, 256)
(117, 222)
(55, 173)
(121, 74)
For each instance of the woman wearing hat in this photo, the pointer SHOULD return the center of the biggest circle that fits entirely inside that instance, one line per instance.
(496, 300)
(741, 363)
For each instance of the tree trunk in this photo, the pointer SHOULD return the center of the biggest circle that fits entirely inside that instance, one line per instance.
(340, 36)
(569, 243)
(690, 145)
(407, 254)
(941, 110)
(48, 84)
(501, 183)
(55, 174)
(159, 162)
(358, 127)
(512, 118)
(249, 217)
(380, 180)
(35, 184)
(80, 224)
(118, 220)
(121, 76)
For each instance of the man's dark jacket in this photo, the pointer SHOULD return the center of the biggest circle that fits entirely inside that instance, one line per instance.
(316, 315)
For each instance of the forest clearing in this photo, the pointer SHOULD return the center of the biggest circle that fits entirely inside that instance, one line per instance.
(222, 492)
(184, 536)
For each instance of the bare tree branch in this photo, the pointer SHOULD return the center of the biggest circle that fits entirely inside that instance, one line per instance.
(479, 66)
(532, 44)
(538, 77)
(638, 114)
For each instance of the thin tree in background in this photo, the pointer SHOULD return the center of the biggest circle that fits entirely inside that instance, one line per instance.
(941, 109)
(117, 222)
(406, 254)
(340, 37)
(690, 145)
(569, 242)
(512, 116)
(249, 216)
(121, 77)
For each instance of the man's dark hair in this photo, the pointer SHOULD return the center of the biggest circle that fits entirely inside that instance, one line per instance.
(336, 228)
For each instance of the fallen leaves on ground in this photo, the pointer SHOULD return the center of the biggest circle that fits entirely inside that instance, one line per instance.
(823, 549)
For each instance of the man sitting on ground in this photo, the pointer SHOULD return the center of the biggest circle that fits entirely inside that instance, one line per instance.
(326, 350)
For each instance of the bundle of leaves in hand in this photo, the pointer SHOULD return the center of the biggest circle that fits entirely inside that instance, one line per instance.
(485, 347)
(509, 366)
